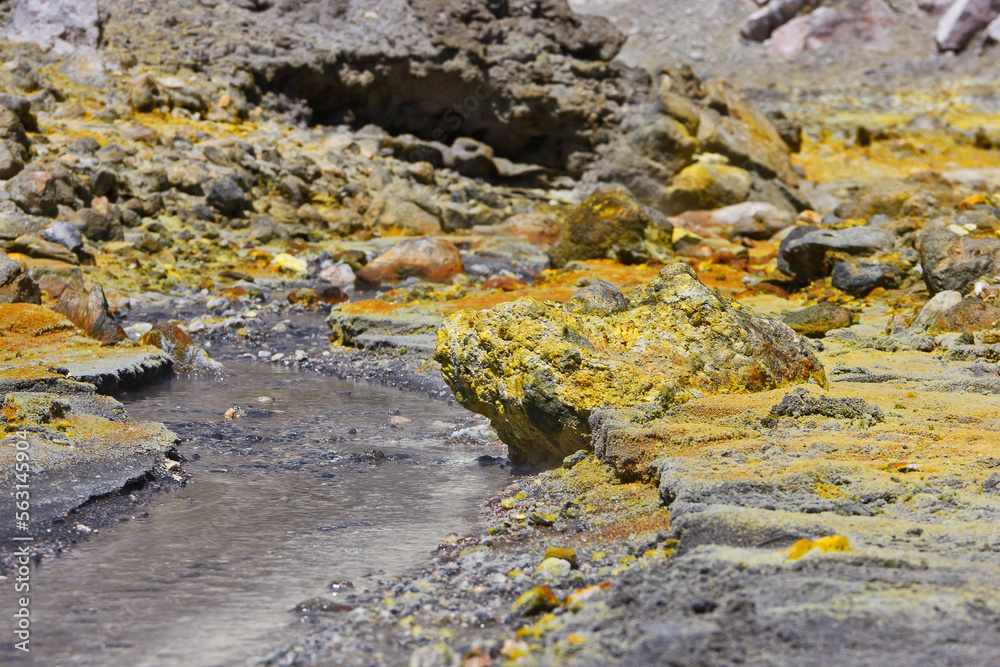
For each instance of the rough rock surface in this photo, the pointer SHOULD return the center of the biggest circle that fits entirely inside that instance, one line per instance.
(954, 262)
(610, 224)
(810, 253)
(92, 314)
(430, 259)
(538, 370)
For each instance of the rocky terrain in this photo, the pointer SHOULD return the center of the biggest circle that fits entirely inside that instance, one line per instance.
(739, 335)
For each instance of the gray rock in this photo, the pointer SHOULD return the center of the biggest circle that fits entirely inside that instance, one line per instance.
(860, 279)
(810, 254)
(225, 196)
(85, 65)
(953, 262)
(14, 222)
(63, 233)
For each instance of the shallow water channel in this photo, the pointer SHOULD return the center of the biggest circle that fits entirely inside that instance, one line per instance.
(280, 505)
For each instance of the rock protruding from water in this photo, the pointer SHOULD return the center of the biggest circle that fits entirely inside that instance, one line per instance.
(538, 369)
(610, 224)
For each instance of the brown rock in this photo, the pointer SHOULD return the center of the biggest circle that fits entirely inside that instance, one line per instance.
(175, 342)
(430, 259)
(970, 314)
(36, 246)
(35, 192)
(393, 213)
(539, 228)
(92, 314)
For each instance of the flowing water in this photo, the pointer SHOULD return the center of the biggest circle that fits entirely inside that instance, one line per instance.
(281, 503)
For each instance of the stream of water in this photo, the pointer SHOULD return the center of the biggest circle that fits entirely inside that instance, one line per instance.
(280, 504)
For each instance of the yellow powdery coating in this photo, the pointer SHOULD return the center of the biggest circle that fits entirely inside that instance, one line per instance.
(824, 544)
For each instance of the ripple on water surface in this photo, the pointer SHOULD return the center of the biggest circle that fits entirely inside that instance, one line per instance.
(282, 502)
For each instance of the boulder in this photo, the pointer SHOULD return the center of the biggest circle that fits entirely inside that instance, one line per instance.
(62, 24)
(539, 369)
(954, 262)
(962, 21)
(538, 228)
(428, 259)
(35, 246)
(706, 185)
(815, 321)
(611, 224)
(91, 313)
(860, 279)
(811, 253)
(14, 222)
(16, 286)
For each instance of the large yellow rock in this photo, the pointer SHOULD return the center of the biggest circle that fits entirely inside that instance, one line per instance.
(538, 369)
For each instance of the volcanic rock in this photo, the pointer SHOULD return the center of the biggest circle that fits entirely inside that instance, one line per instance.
(811, 253)
(430, 259)
(954, 262)
(92, 314)
(611, 224)
(538, 369)
(860, 279)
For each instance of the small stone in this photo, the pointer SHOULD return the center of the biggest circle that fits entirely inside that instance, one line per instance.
(573, 459)
(291, 264)
(539, 519)
(969, 315)
(92, 314)
(225, 196)
(568, 555)
(553, 567)
(536, 601)
(816, 321)
(338, 275)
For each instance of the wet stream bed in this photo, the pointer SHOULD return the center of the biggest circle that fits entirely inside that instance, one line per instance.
(283, 501)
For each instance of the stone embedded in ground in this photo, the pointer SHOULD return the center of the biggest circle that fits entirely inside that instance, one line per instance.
(610, 224)
(539, 369)
(706, 185)
(934, 309)
(800, 403)
(816, 321)
(92, 314)
(85, 65)
(811, 253)
(34, 246)
(954, 262)
(16, 286)
(394, 212)
(430, 259)
(35, 192)
(971, 314)
(225, 196)
(860, 279)
(808, 32)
